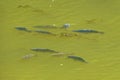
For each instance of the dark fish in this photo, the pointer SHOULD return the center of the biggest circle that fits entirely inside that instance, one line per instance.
(44, 32)
(78, 58)
(22, 29)
(43, 50)
(46, 26)
(24, 6)
(87, 31)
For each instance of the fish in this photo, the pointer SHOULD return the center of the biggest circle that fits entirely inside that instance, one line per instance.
(22, 29)
(87, 31)
(61, 54)
(28, 56)
(24, 6)
(58, 54)
(77, 58)
(43, 32)
(46, 26)
(43, 50)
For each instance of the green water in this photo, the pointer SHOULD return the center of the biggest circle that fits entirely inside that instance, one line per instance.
(100, 50)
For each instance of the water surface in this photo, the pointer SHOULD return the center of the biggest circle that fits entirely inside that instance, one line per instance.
(101, 51)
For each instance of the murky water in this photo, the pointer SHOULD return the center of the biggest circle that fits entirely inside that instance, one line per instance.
(101, 51)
